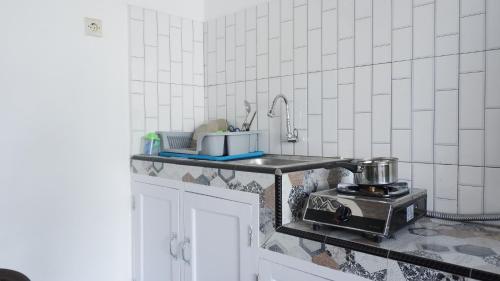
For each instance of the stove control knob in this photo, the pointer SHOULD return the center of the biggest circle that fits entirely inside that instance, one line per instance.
(343, 213)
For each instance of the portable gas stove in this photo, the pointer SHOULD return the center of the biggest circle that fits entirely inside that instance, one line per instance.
(376, 211)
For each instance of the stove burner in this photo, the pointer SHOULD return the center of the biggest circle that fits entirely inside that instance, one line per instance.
(382, 191)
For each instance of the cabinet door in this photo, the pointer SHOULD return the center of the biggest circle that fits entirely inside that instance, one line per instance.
(155, 222)
(220, 240)
(269, 271)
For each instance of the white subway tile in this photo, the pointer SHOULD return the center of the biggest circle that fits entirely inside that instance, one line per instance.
(221, 55)
(300, 81)
(287, 41)
(151, 124)
(446, 181)
(262, 36)
(346, 53)
(287, 87)
(230, 71)
(471, 149)
(472, 34)
(472, 100)
(151, 99)
(423, 84)
(211, 68)
(346, 143)
(262, 66)
(150, 28)
(447, 45)
(188, 35)
(187, 68)
(221, 95)
(446, 205)
(164, 76)
(423, 31)
(251, 91)
(175, 21)
(240, 98)
(300, 112)
(164, 53)
(274, 57)
(401, 144)
(404, 171)
(346, 18)
(274, 18)
(492, 190)
(363, 89)
(251, 18)
(381, 22)
(300, 26)
(423, 177)
(136, 38)
(198, 59)
(470, 200)
(423, 136)
(251, 48)
(401, 104)
(382, 79)
(381, 150)
(262, 9)
(402, 13)
(176, 90)
(447, 17)
(274, 123)
(175, 45)
(314, 93)
(151, 64)
(492, 135)
(197, 31)
(492, 81)
(136, 87)
(314, 50)
(329, 4)
(212, 104)
(330, 120)
(137, 112)
(199, 117)
(314, 135)
(136, 12)
(472, 62)
(330, 84)
(164, 118)
(187, 102)
(363, 8)
(446, 154)
(382, 54)
(329, 62)
(345, 108)
(492, 24)
(230, 43)
(446, 123)
(362, 135)
(286, 10)
(314, 14)
(447, 72)
(330, 150)
(329, 29)
(300, 60)
(137, 69)
(363, 41)
(401, 70)
(199, 96)
(346, 76)
(402, 44)
(163, 94)
(471, 176)
(471, 7)
(381, 119)
(239, 63)
(240, 28)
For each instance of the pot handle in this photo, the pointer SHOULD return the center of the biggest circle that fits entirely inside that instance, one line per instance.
(351, 166)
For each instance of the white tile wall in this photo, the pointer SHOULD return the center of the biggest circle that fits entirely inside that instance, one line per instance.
(412, 79)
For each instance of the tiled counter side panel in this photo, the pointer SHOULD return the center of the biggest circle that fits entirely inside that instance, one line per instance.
(262, 184)
(297, 186)
(358, 263)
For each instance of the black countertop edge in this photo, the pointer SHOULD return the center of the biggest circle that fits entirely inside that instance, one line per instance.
(397, 256)
(238, 167)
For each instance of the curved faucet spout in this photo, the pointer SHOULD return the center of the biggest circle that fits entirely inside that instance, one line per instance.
(292, 134)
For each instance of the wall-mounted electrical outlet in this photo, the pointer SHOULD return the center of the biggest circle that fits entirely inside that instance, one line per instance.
(93, 27)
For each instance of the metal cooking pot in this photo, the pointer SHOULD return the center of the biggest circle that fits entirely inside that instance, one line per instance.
(375, 171)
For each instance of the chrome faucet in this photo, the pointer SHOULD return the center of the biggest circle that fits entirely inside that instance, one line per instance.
(292, 135)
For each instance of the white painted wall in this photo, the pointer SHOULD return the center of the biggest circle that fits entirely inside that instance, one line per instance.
(64, 121)
(192, 9)
(216, 8)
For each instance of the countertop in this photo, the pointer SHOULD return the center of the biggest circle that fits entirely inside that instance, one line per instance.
(303, 163)
(466, 249)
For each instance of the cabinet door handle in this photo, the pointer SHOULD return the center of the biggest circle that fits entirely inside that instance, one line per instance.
(250, 235)
(185, 244)
(173, 239)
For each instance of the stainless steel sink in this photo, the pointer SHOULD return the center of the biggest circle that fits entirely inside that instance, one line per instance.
(271, 161)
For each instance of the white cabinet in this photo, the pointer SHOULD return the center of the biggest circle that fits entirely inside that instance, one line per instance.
(278, 267)
(222, 238)
(155, 223)
(183, 232)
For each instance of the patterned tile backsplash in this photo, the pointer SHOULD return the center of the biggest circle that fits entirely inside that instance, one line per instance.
(414, 79)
